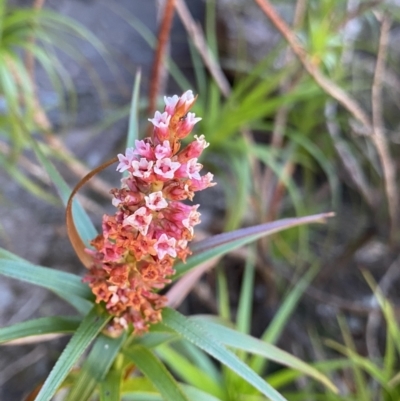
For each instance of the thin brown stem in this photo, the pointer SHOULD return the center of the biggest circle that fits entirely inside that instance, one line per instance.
(325, 83)
(199, 41)
(159, 57)
(379, 138)
(269, 185)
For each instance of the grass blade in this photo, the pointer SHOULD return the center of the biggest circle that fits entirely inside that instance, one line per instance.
(133, 130)
(156, 372)
(96, 367)
(39, 327)
(195, 333)
(223, 243)
(90, 327)
(244, 342)
(59, 282)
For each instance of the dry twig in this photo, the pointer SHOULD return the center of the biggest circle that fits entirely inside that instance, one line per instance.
(158, 64)
(378, 137)
(269, 186)
(197, 36)
(326, 84)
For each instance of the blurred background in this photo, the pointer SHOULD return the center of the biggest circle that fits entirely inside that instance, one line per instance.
(302, 118)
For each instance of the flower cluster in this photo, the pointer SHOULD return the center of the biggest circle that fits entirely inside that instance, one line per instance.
(134, 255)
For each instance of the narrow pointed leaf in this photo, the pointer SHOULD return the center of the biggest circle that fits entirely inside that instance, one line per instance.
(223, 243)
(199, 336)
(110, 387)
(96, 366)
(61, 283)
(85, 226)
(133, 130)
(279, 322)
(244, 342)
(38, 327)
(189, 373)
(156, 372)
(90, 327)
(45, 277)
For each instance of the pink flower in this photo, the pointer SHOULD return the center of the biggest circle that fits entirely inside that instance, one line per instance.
(125, 161)
(161, 123)
(193, 150)
(177, 191)
(142, 168)
(160, 120)
(192, 220)
(140, 220)
(203, 183)
(190, 169)
(165, 168)
(186, 125)
(185, 102)
(156, 201)
(143, 149)
(163, 151)
(165, 246)
(170, 103)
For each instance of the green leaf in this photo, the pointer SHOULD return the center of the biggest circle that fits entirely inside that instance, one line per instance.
(240, 341)
(83, 223)
(90, 327)
(138, 389)
(41, 326)
(280, 319)
(184, 369)
(244, 313)
(66, 285)
(152, 340)
(196, 334)
(221, 244)
(110, 387)
(133, 130)
(96, 366)
(4, 254)
(156, 372)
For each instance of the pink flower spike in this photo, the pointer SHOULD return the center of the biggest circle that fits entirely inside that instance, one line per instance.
(125, 161)
(140, 220)
(156, 201)
(165, 168)
(163, 151)
(165, 246)
(142, 168)
(170, 103)
(143, 149)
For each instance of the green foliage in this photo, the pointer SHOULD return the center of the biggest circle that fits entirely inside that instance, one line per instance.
(36, 34)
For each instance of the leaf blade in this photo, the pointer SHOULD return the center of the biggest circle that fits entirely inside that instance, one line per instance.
(194, 333)
(91, 325)
(156, 372)
(223, 243)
